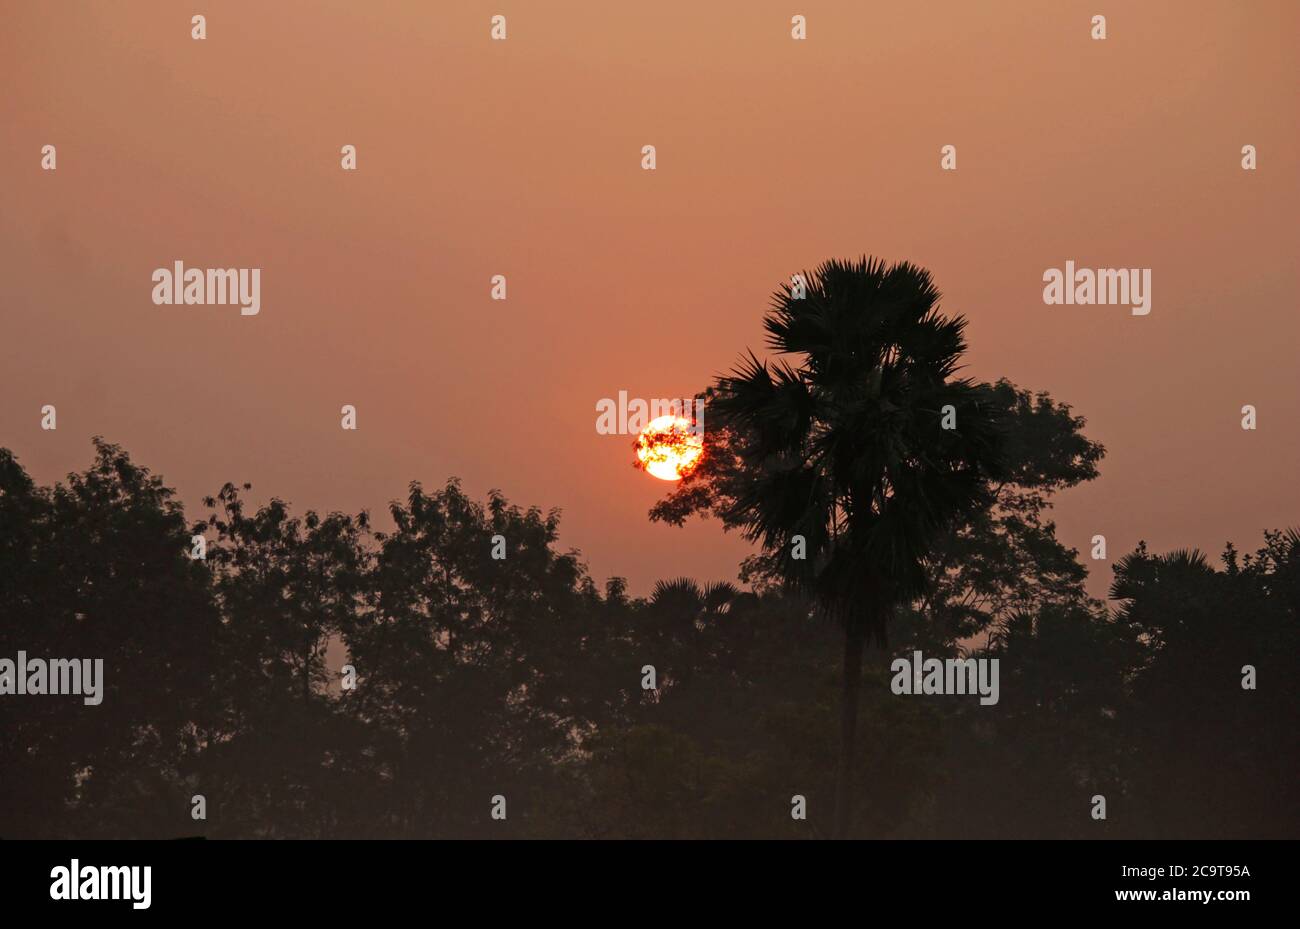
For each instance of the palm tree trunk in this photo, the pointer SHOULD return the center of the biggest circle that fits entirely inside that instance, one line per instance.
(855, 638)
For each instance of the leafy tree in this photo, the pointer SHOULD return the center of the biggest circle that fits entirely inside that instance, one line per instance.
(1213, 757)
(481, 675)
(475, 665)
(286, 588)
(1005, 560)
(1028, 766)
(97, 567)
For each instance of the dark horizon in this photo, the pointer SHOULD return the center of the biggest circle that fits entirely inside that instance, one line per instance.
(736, 728)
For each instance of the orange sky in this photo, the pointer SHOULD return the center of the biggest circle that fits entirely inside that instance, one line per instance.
(522, 158)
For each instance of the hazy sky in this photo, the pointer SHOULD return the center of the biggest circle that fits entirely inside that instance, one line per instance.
(522, 158)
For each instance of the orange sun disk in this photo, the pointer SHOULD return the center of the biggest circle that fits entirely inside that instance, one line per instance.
(668, 449)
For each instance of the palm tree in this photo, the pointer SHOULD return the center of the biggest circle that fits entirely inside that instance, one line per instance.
(685, 614)
(1156, 592)
(857, 452)
(685, 599)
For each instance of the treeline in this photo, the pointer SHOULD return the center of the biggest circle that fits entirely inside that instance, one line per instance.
(520, 677)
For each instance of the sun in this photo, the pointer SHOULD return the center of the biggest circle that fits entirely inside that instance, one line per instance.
(669, 448)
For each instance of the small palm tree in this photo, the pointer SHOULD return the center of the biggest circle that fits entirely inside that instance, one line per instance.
(857, 452)
(682, 596)
(682, 611)
(1160, 595)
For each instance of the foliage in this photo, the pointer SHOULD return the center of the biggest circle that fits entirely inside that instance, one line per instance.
(518, 676)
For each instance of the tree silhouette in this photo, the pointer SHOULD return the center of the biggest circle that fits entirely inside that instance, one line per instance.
(845, 455)
(481, 675)
(479, 668)
(1005, 559)
(99, 567)
(1214, 757)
